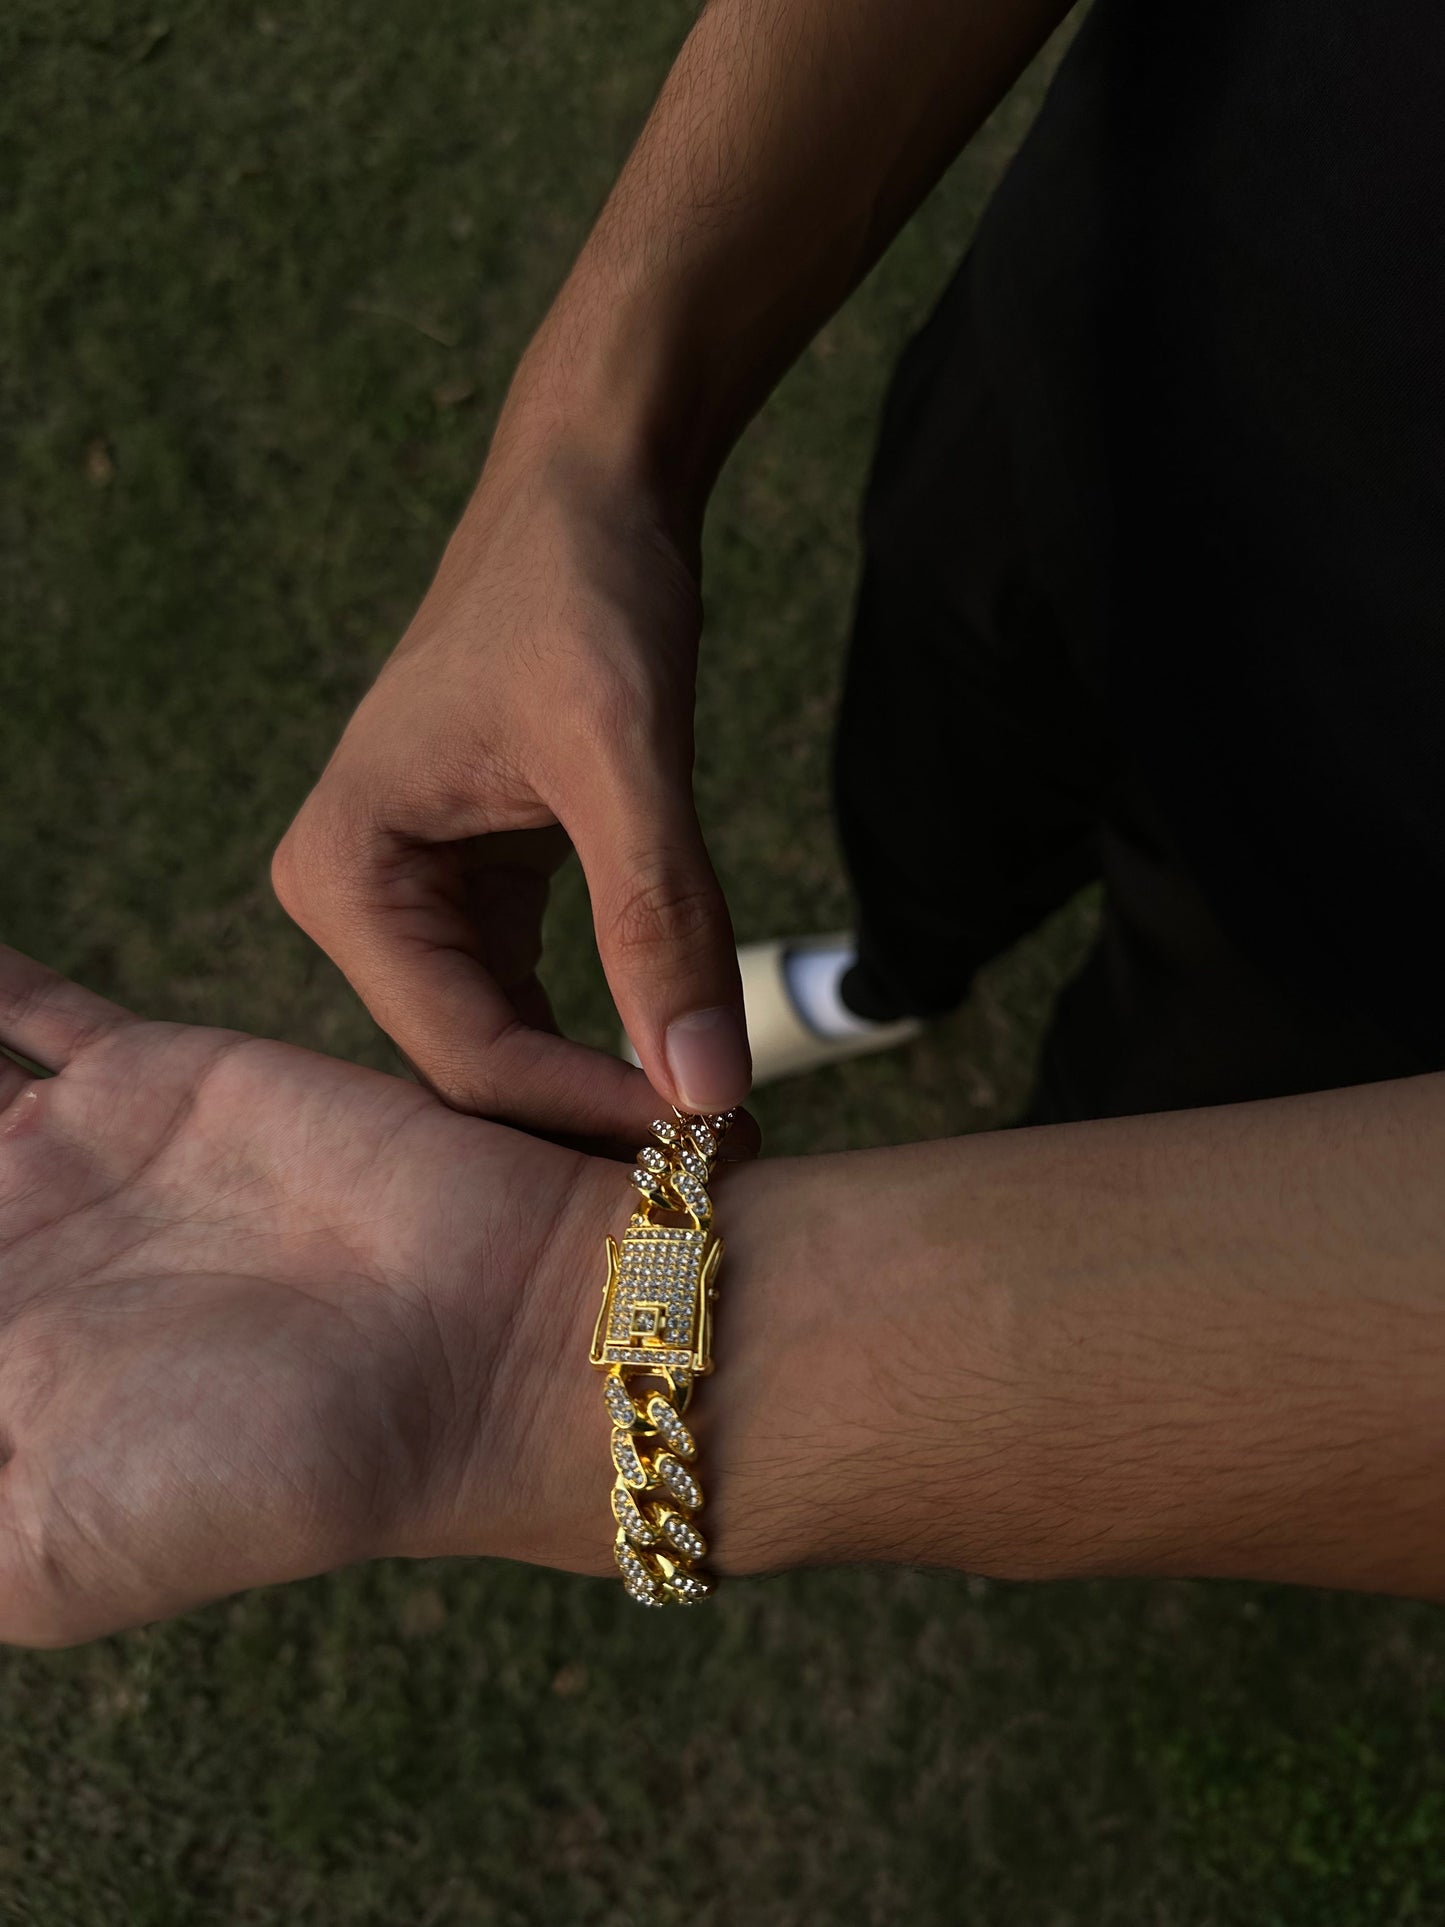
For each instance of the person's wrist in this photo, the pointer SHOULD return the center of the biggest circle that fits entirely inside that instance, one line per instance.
(865, 1405)
(834, 1429)
(480, 1271)
(538, 1476)
(575, 466)
(605, 378)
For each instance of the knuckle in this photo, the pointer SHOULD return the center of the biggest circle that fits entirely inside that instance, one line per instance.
(311, 859)
(665, 909)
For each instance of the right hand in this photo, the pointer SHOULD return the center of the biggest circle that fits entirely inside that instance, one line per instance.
(542, 698)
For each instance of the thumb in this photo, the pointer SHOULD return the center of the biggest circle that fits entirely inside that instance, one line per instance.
(666, 940)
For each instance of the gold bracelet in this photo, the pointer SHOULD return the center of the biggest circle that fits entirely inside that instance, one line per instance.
(654, 1340)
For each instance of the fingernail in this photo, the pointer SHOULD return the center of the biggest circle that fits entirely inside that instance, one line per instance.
(707, 1054)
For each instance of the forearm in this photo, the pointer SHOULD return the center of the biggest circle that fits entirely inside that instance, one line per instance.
(1209, 1343)
(790, 142)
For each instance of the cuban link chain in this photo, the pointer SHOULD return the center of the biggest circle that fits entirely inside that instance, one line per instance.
(654, 1340)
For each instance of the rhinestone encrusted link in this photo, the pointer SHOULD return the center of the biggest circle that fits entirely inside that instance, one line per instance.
(678, 1480)
(661, 1415)
(653, 1159)
(683, 1534)
(625, 1458)
(651, 1189)
(687, 1587)
(639, 1578)
(692, 1195)
(619, 1403)
(628, 1514)
(664, 1132)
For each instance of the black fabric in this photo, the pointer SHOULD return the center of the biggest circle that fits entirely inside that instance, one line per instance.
(1156, 531)
(969, 766)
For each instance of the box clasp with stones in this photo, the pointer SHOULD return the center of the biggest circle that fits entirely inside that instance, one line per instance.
(657, 1301)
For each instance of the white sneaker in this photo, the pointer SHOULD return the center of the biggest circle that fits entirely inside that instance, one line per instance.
(783, 1043)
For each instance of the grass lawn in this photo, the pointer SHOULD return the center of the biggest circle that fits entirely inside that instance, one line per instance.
(266, 269)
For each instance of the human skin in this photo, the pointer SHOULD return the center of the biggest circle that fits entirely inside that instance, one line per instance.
(267, 1314)
(542, 697)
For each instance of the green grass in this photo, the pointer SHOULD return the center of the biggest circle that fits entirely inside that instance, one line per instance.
(265, 275)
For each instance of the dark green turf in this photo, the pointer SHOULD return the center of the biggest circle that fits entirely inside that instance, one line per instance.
(264, 273)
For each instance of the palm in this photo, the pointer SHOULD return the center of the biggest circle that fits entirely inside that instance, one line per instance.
(228, 1270)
